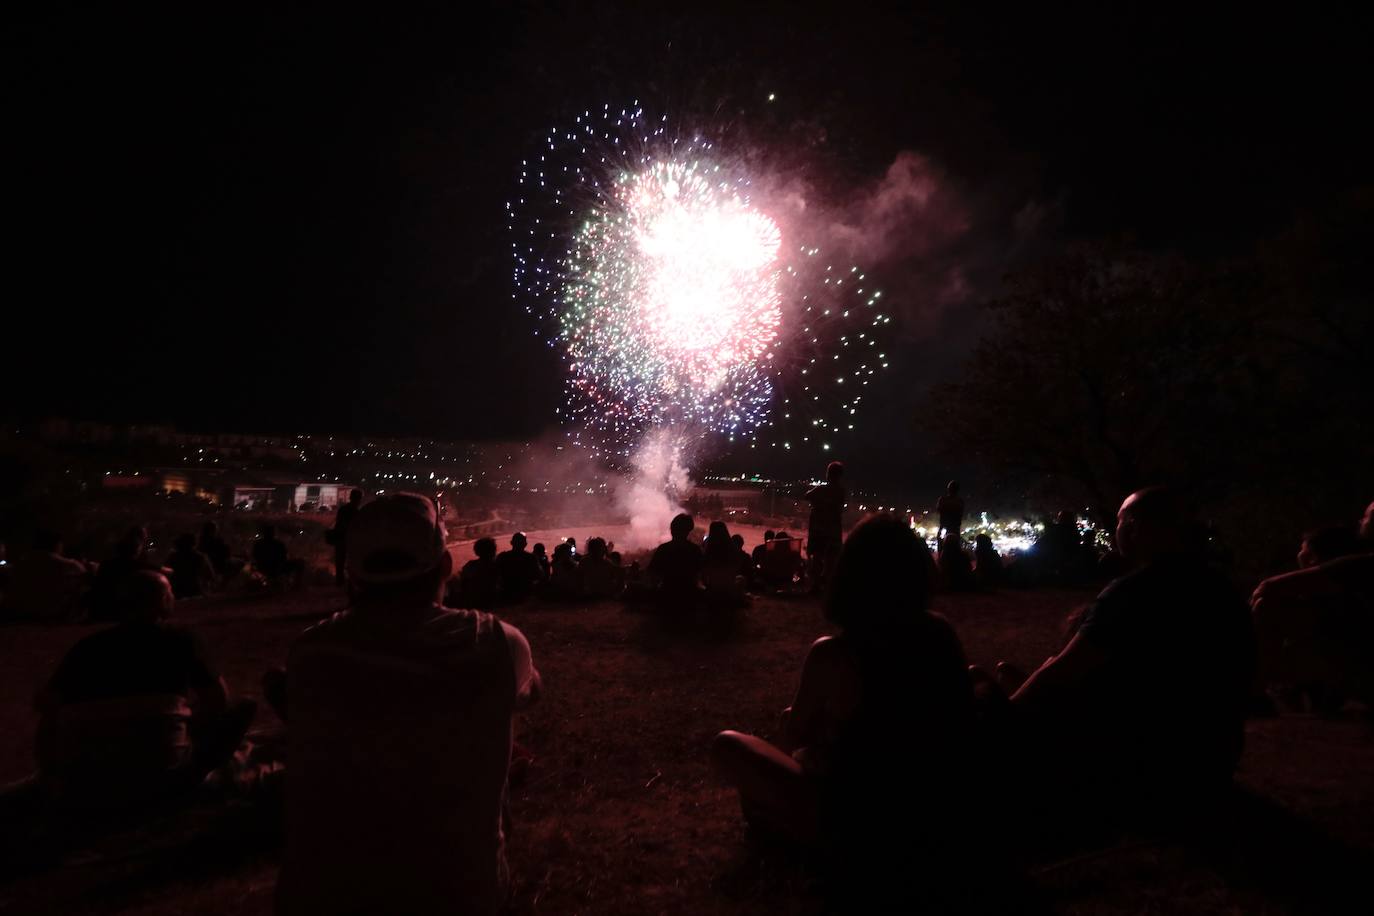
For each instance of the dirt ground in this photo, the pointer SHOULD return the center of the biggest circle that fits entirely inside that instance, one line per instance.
(618, 813)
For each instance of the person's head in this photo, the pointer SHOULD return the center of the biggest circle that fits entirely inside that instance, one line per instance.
(614, 557)
(952, 488)
(185, 542)
(681, 526)
(880, 577)
(355, 497)
(540, 550)
(562, 552)
(518, 540)
(134, 543)
(737, 540)
(782, 536)
(1151, 523)
(768, 535)
(1367, 523)
(396, 552)
(982, 543)
(596, 548)
(718, 530)
(145, 597)
(47, 541)
(1328, 543)
(572, 544)
(484, 548)
(834, 471)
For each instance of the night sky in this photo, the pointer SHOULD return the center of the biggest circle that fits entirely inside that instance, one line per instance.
(293, 222)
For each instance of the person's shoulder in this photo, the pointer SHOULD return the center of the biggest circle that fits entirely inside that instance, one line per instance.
(325, 629)
(829, 651)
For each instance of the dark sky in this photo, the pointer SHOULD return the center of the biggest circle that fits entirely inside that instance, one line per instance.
(292, 221)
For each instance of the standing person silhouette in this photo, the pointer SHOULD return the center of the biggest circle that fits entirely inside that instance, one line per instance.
(339, 535)
(951, 509)
(825, 528)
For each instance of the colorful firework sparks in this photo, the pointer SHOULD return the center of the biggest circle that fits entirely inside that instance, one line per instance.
(662, 278)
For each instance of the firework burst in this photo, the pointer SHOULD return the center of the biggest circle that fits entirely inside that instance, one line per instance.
(676, 298)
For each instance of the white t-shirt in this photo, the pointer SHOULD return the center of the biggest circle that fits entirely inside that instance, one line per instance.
(399, 743)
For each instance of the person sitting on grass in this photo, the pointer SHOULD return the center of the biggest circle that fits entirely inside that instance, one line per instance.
(400, 719)
(1315, 627)
(879, 732)
(519, 570)
(272, 560)
(600, 577)
(675, 566)
(136, 712)
(987, 562)
(1142, 713)
(192, 572)
(478, 584)
(130, 557)
(721, 573)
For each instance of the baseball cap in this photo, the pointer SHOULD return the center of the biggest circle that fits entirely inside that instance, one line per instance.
(395, 537)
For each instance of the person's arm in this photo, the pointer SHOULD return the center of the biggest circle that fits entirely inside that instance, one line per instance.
(529, 686)
(1064, 672)
(806, 714)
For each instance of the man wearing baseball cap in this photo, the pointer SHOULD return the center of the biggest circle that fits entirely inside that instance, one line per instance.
(400, 733)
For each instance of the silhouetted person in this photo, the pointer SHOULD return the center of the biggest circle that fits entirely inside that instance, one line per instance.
(400, 728)
(191, 571)
(1323, 545)
(676, 565)
(216, 548)
(46, 586)
(762, 548)
(955, 570)
(564, 578)
(825, 527)
(879, 732)
(572, 549)
(1315, 627)
(130, 557)
(721, 573)
(339, 534)
(600, 577)
(987, 562)
(1143, 711)
(271, 558)
(478, 584)
(541, 556)
(136, 712)
(951, 509)
(519, 570)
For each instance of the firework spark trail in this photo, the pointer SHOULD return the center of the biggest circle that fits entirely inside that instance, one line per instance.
(665, 284)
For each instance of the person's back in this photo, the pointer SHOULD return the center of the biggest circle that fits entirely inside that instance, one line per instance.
(1170, 705)
(117, 714)
(270, 556)
(950, 506)
(400, 740)
(479, 583)
(400, 735)
(192, 570)
(519, 569)
(677, 566)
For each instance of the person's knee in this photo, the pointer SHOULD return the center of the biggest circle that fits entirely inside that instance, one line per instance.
(726, 749)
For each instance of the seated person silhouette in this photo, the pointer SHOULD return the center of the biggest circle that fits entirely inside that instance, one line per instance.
(1142, 713)
(519, 570)
(271, 559)
(136, 712)
(880, 727)
(675, 567)
(1315, 627)
(399, 736)
(478, 584)
(600, 577)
